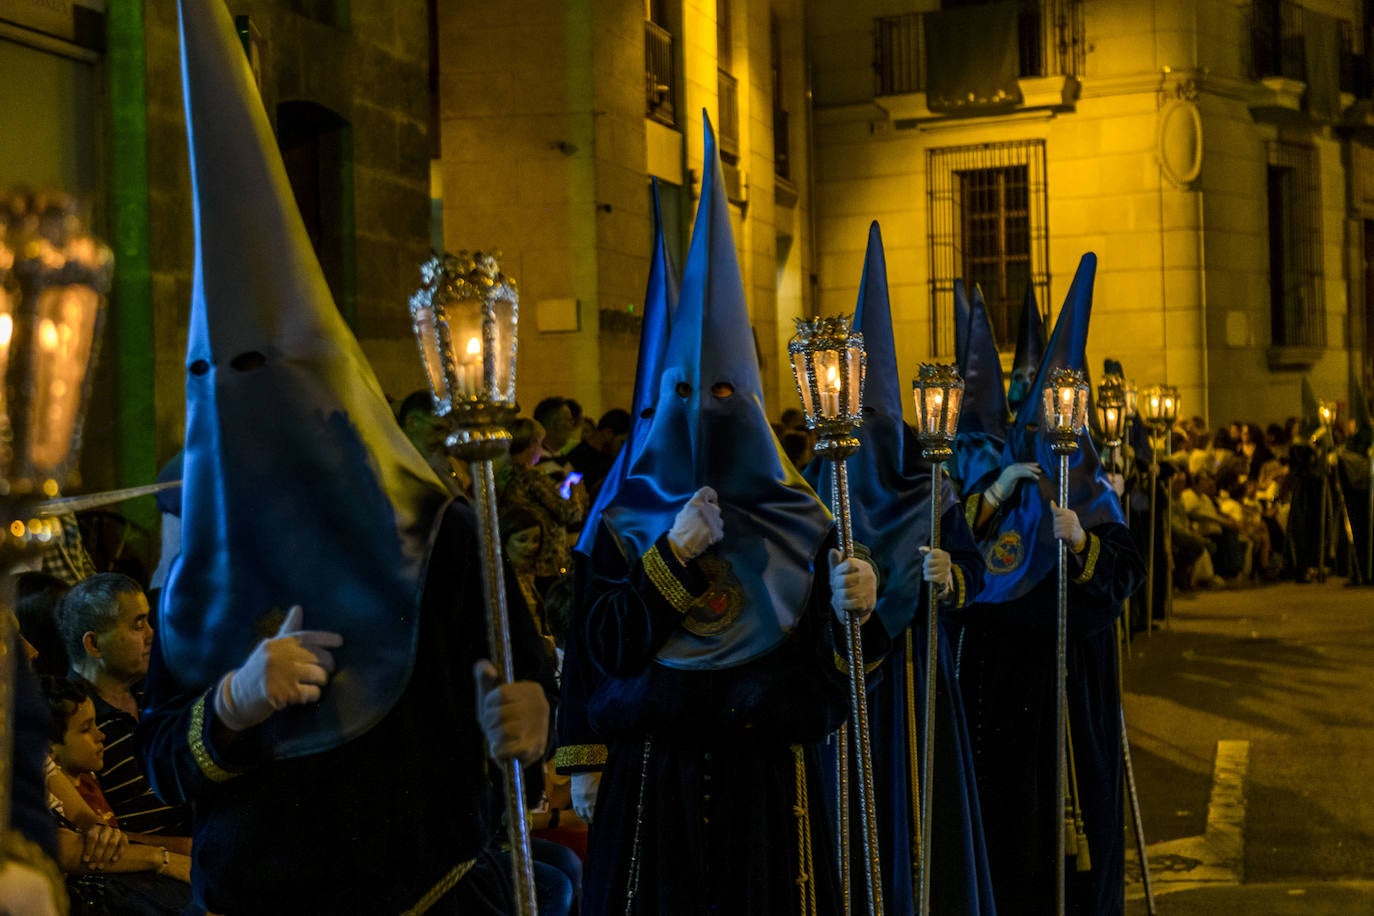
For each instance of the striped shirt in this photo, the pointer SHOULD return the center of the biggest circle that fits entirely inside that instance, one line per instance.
(123, 782)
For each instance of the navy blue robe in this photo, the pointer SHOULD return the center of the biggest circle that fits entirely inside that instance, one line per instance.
(1007, 674)
(369, 826)
(704, 820)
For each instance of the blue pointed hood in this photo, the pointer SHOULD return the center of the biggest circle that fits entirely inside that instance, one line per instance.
(1030, 350)
(300, 487)
(660, 301)
(774, 523)
(889, 481)
(1022, 551)
(983, 418)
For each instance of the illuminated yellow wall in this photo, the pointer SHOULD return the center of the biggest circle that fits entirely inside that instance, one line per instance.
(546, 154)
(1182, 290)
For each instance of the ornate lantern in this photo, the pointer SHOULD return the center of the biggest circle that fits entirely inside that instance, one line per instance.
(1066, 409)
(1129, 392)
(1159, 407)
(828, 362)
(464, 317)
(1112, 410)
(939, 394)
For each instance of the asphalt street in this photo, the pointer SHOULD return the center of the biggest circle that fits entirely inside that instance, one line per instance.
(1251, 719)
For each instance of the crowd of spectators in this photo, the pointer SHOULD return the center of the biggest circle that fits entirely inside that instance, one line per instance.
(1250, 504)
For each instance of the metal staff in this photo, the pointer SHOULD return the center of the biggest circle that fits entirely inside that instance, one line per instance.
(1136, 823)
(464, 318)
(1369, 526)
(828, 361)
(939, 393)
(1066, 406)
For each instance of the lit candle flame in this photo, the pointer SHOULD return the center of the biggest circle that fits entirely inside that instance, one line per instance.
(6, 330)
(47, 334)
(474, 347)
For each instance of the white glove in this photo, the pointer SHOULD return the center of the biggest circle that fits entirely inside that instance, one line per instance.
(1068, 528)
(25, 889)
(1006, 482)
(585, 787)
(514, 717)
(286, 670)
(853, 587)
(697, 525)
(938, 569)
(1118, 483)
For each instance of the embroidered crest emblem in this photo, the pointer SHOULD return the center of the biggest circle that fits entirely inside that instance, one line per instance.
(714, 612)
(1004, 554)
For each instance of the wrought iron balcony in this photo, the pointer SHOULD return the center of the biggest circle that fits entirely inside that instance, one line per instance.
(728, 129)
(660, 74)
(1049, 43)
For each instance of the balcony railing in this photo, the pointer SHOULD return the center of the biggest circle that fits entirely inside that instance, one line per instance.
(1276, 40)
(1049, 38)
(660, 76)
(728, 131)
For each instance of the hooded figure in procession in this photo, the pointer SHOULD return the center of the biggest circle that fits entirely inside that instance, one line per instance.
(711, 605)
(890, 507)
(581, 752)
(1008, 660)
(325, 614)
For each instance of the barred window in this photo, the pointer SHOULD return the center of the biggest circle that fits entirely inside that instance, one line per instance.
(1296, 310)
(988, 224)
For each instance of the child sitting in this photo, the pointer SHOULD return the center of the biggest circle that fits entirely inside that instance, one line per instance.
(108, 870)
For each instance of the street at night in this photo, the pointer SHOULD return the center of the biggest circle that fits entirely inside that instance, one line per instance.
(1250, 733)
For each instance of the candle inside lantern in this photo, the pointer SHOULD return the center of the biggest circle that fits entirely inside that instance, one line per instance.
(470, 370)
(934, 412)
(830, 392)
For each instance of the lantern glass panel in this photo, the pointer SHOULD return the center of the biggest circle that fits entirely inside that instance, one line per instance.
(502, 355)
(828, 382)
(462, 319)
(954, 402)
(64, 328)
(428, 337)
(854, 391)
(804, 386)
(1130, 397)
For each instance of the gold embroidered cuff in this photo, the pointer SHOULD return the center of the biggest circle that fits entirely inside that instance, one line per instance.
(195, 736)
(971, 507)
(842, 664)
(959, 594)
(579, 756)
(14, 846)
(673, 591)
(1090, 562)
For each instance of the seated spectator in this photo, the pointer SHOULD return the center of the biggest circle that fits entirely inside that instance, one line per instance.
(110, 870)
(594, 455)
(105, 626)
(560, 506)
(555, 417)
(1207, 520)
(1192, 553)
(35, 604)
(68, 558)
(522, 539)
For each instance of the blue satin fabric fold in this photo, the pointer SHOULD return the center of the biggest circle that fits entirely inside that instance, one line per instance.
(1023, 550)
(300, 487)
(701, 435)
